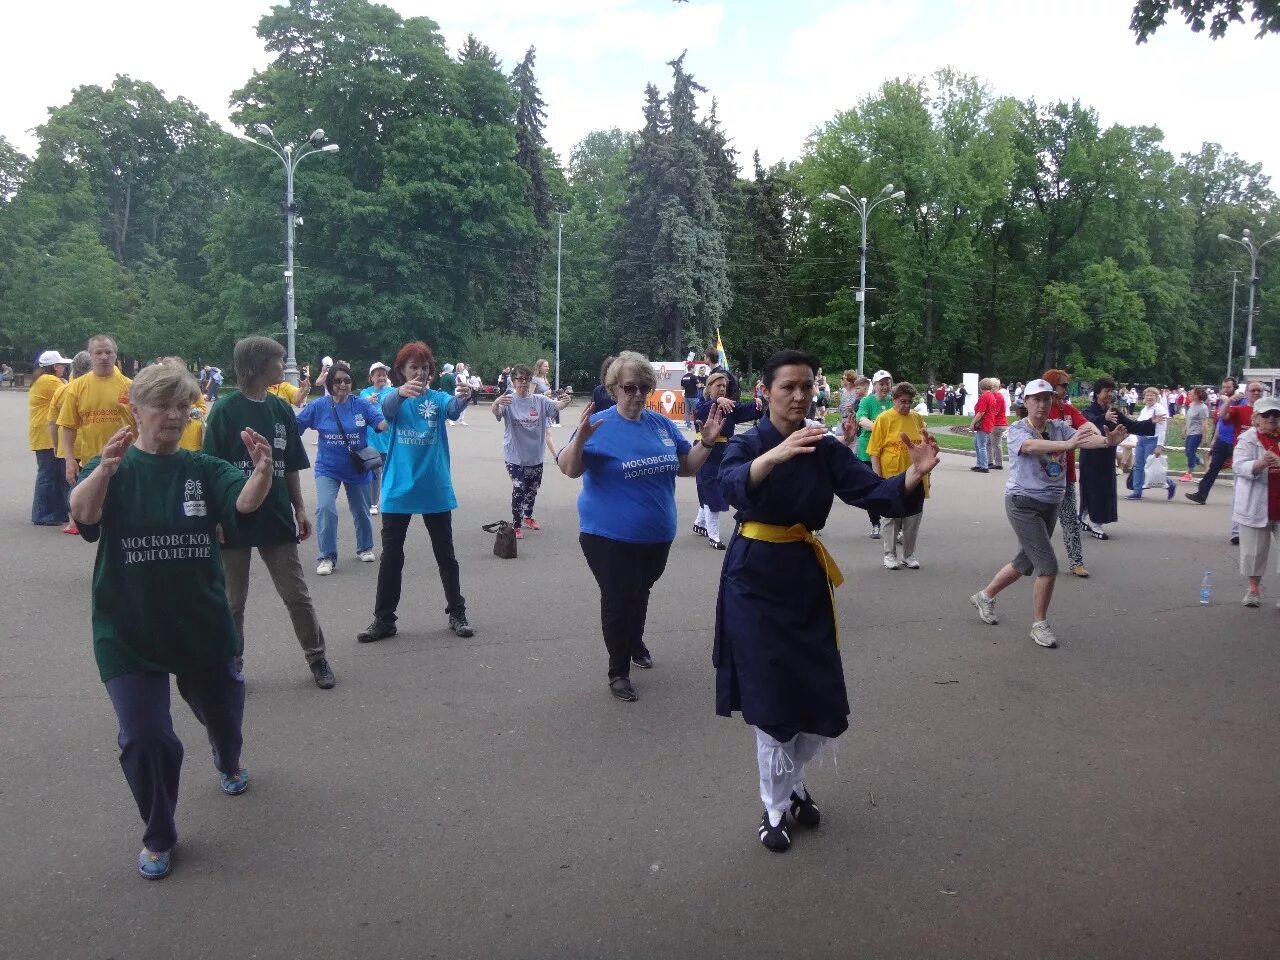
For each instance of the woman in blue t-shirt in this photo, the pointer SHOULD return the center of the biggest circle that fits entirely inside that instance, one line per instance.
(629, 458)
(379, 386)
(343, 422)
(416, 479)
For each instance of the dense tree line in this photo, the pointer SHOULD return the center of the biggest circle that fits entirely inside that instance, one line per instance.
(1029, 234)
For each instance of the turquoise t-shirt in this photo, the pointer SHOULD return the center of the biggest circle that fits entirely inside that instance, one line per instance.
(379, 441)
(629, 487)
(416, 477)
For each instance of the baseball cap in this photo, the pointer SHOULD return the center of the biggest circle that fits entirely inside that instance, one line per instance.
(881, 375)
(447, 368)
(50, 357)
(1037, 386)
(378, 365)
(1267, 405)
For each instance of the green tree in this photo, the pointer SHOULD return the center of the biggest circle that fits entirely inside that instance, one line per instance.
(526, 290)
(1149, 15)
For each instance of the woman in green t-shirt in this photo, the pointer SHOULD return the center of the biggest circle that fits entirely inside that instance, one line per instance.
(153, 509)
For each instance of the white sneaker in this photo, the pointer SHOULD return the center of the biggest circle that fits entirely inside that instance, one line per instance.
(1042, 635)
(890, 562)
(986, 608)
(911, 563)
(1252, 599)
(373, 511)
(366, 556)
(324, 567)
(462, 423)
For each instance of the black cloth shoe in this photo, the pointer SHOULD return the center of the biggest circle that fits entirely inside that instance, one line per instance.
(622, 689)
(1195, 497)
(323, 674)
(644, 660)
(979, 469)
(378, 630)
(715, 544)
(775, 838)
(805, 812)
(875, 531)
(1235, 540)
(699, 530)
(460, 626)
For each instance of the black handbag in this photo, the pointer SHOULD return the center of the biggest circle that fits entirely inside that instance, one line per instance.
(504, 539)
(366, 459)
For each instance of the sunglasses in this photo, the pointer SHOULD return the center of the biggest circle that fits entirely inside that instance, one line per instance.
(631, 389)
(337, 380)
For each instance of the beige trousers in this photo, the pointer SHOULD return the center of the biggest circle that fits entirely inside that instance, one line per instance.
(291, 584)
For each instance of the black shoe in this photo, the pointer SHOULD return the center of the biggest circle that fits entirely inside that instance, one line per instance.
(237, 664)
(622, 689)
(323, 674)
(995, 468)
(775, 838)
(715, 544)
(460, 626)
(805, 812)
(699, 530)
(875, 531)
(378, 630)
(644, 660)
(979, 469)
(1195, 497)
(1235, 540)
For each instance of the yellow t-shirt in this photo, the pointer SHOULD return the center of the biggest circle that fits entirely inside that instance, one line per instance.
(286, 392)
(51, 415)
(96, 407)
(886, 443)
(193, 433)
(38, 398)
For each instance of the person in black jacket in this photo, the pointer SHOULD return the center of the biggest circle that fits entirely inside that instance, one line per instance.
(1098, 467)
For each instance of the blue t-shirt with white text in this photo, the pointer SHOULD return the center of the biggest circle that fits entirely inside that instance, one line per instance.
(379, 441)
(416, 477)
(357, 415)
(628, 488)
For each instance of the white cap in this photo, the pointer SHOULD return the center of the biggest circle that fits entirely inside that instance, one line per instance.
(378, 365)
(1266, 405)
(326, 361)
(447, 368)
(881, 375)
(50, 357)
(1036, 386)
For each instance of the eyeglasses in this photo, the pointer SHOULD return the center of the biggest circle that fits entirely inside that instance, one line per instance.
(337, 380)
(1256, 392)
(520, 379)
(631, 389)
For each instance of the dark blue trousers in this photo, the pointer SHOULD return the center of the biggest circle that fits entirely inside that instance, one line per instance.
(49, 505)
(151, 753)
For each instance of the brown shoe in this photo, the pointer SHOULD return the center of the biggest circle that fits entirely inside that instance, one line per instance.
(1080, 570)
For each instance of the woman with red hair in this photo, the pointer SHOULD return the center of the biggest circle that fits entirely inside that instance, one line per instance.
(416, 479)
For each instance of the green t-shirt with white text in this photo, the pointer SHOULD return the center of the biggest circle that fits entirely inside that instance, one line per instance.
(870, 407)
(159, 599)
(273, 524)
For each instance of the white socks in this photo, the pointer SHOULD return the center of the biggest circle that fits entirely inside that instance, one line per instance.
(713, 525)
(702, 517)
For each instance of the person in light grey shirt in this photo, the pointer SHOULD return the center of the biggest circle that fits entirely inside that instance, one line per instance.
(1197, 426)
(524, 415)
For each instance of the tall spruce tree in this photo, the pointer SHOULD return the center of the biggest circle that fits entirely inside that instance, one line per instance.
(636, 238)
(525, 306)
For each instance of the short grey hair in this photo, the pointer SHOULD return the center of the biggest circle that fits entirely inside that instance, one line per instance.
(628, 361)
(81, 364)
(251, 358)
(162, 384)
(102, 338)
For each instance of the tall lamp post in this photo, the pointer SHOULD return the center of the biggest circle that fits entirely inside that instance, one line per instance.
(863, 209)
(290, 156)
(1255, 281)
(559, 245)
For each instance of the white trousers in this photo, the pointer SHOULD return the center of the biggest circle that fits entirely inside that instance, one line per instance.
(782, 767)
(713, 525)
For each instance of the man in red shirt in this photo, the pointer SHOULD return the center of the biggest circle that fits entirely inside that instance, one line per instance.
(984, 422)
(1233, 419)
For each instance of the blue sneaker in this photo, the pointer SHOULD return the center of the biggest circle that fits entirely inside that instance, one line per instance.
(154, 866)
(234, 784)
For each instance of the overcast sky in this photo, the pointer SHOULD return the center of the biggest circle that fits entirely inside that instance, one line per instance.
(779, 68)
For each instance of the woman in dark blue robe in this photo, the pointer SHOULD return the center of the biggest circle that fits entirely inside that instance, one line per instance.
(1098, 467)
(775, 648)
(711, 501)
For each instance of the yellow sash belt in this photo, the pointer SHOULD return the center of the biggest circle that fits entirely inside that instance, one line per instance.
(799, 533)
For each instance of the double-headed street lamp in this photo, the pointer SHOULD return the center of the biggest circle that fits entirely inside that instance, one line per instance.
(290, 156)
(864, 210)
(1255, 280)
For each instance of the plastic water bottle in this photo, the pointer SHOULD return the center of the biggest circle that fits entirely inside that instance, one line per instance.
(1206, 589)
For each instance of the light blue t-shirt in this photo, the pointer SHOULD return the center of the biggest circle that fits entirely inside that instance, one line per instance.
(629, 487)
(1040, 476)
(357, 416)
(379, 441)
(416, 477)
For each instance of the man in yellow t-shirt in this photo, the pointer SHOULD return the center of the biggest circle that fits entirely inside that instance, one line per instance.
(294, 396)
(95, 406)
(49, 504)
(889, 457)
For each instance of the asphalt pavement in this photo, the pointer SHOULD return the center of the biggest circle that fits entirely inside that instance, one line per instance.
(1113, 798)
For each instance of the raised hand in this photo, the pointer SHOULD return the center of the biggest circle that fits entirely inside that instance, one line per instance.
(804, 440)
(714, 423)
(114, 450)
(923, 452)
(463, 390)
(259, 448)
(1117, 436)
(585, 427)
(727, 405)
(504, 400)
(411, 388)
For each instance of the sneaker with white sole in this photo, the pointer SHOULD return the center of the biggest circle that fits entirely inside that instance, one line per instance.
(986, 607)
(911, 563)
(890, 562)
(1252, 599)
(373, 511)
(324, 567)
(366, 556)
(1042, 635)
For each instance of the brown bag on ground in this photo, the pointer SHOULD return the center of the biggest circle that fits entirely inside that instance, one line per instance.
(504, 539)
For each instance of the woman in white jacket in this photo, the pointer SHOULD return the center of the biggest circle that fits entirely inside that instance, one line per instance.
(1256, 499)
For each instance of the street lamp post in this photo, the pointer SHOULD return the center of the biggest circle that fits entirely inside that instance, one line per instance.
(290, 157)
(1255, 281)
(559, 245)
(864, 210)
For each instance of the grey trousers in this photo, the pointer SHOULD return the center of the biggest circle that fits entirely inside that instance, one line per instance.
(291, 584)
(1032, 522)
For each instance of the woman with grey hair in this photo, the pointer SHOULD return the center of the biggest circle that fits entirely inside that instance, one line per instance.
(154, 510)
(283, 522)
(629, 458)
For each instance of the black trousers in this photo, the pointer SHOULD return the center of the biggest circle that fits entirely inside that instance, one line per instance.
(391, 567)
(1218, 455)
(626, 572)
